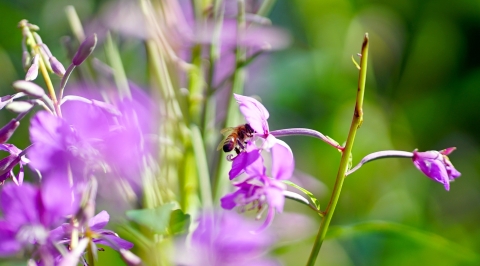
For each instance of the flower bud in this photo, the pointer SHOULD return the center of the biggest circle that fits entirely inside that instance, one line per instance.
(436, 165)
(37, 37)
(19, 106)
(28, 88)
(7, 131)
(45, 49)
(57, 67)
(85, 49)
(33, 27)
(26, 60)
(32, 72)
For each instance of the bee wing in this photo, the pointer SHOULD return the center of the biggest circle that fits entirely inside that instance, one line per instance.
(220, 145)
(227, 131)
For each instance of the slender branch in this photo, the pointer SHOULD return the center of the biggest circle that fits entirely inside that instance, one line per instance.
(221, 184)
(356, 123)
(380, 155)
(65, 77)
(306, 132)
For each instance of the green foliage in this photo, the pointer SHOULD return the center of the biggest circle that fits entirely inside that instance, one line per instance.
(179, 222)
(158, 219)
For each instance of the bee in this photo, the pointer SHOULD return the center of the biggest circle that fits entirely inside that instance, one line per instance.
(235, 138)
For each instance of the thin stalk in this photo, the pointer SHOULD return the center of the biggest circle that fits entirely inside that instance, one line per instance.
(356, 123)
(265, 8)
(306, 132)
(214, 54)
(50, 88)
(221, 181)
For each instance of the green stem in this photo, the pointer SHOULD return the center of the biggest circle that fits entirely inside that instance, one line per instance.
(356, 123)
(221, 180)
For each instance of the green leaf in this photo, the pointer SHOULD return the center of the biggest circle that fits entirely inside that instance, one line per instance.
(415, 235)
(156, 219)
(179, 222)
(308, 193)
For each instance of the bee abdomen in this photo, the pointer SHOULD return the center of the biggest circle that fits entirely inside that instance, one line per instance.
(228, 146)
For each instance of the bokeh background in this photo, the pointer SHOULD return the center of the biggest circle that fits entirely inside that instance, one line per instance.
(423, 91)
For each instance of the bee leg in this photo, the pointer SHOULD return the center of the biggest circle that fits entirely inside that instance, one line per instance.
(241, 145)
(237, 150)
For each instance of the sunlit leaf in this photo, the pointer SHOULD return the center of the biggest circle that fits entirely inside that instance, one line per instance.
(179, 222)
(157, 219)
(308, 193)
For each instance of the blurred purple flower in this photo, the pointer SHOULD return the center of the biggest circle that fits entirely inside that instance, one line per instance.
(90, 138)
(436, 165)
(30, 213)
(58, 147)
(6, 164)
(225, 239)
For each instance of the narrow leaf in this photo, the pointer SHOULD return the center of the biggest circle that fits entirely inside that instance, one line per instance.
(308, 193)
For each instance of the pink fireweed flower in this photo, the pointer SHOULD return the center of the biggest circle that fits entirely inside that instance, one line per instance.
(29, 213)
(256, 116)
(258, 189)
(436, 165)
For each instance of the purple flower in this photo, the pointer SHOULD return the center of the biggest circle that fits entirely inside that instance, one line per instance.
(29, 213)
(436, 165)
(6, 164)
(224, 239)
(259, 190)
(256, 116)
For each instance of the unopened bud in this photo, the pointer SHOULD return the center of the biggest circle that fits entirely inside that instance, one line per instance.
(26, 60)
(37, 37)
(7, 131)
(32, 71)
(46, 50)
(33, 27)
(57, 67)
(130, 258)
(19, 106)
(28, 88)
(85, 49)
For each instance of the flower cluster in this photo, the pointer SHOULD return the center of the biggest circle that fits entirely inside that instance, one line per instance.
(259, 189)
(74, 141)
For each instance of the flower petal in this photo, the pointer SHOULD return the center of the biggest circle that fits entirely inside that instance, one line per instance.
(99, 221)
(20, 204)
(283, 163)
(435, 170)
(113, 241)
(248, 161)
(8, 244)
(254, 112)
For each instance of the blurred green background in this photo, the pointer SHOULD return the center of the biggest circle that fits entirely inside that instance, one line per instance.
(423, 91)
